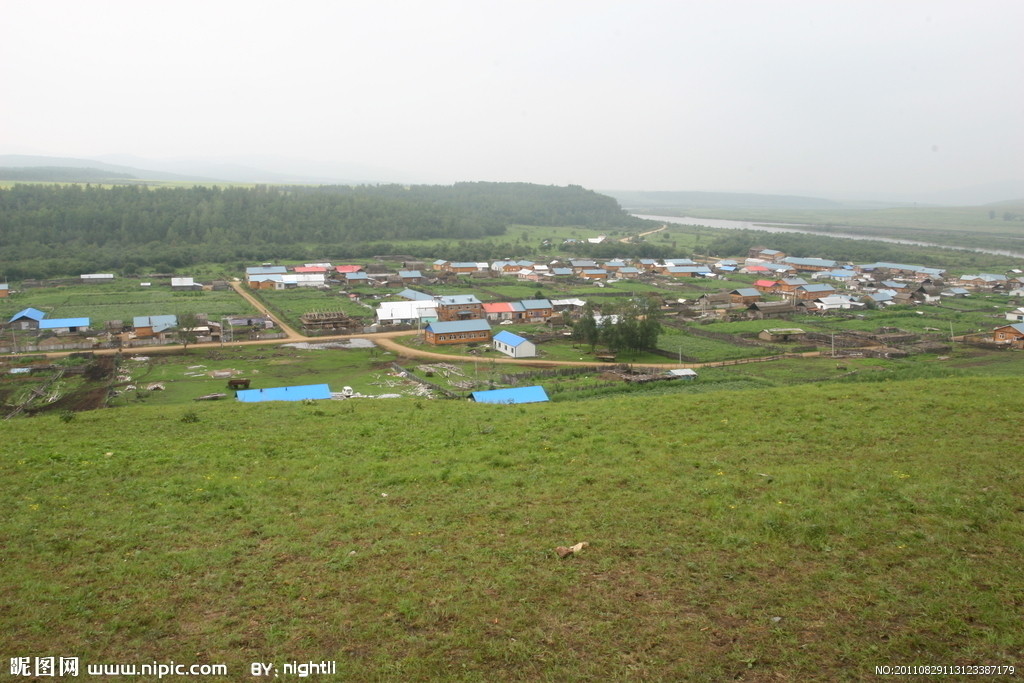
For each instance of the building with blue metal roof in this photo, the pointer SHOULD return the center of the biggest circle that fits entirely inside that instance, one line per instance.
(299, 393)
(511, 396)
(513, 345)
(64, 324)
(27, 314)
(266, 270)
(413, 295)
(148, 325)
(810, 263)
(457, 332)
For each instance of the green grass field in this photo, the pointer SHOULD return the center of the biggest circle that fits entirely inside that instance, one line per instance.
(187, 376)
(792, 535)
(122, 300)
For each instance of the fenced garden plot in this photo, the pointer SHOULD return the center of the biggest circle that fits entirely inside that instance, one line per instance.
(291, 304)
(123, 300)
(705, 346)
(199, 372)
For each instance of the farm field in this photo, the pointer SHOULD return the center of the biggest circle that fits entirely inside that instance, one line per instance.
(291, 304)
(122, 300)
(788, 535)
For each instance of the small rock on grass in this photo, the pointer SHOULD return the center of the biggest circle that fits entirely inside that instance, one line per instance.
(571, 550)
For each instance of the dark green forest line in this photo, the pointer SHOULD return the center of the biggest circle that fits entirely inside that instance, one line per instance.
(50, 230)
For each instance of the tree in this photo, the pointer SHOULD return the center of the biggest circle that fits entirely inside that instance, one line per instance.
(586, 328)
(637, 328)
(649, 327)
(186, 332)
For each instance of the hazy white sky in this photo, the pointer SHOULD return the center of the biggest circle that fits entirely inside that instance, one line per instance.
(819, 96)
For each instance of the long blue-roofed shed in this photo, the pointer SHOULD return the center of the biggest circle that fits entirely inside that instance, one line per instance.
(509, 396)
(299, 393)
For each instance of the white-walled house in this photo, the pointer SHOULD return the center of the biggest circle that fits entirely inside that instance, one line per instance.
(513, 345)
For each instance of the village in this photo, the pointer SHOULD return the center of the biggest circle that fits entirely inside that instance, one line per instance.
(450, 303)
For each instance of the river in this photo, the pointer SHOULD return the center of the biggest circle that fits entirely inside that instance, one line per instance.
(723, 224)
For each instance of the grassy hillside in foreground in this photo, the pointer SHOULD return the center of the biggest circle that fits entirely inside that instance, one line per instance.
(806, 535)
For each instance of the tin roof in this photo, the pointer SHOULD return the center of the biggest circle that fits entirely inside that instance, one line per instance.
(506, 337)
(475, 325)
(30, 313)
(159, 323)
(457, 300)
(510, 396)
(299, 393)
(413, 295)
(56, 323)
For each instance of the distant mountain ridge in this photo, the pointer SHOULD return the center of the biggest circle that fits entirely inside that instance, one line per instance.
(61, 174)
(25, 161)
(246, 170)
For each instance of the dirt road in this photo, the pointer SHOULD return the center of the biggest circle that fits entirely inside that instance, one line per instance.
(644, 234)
(258, 305)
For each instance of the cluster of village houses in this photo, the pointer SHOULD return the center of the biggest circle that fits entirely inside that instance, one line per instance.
(785, 285)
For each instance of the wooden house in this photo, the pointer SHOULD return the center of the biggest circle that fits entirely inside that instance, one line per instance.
(766, 254)
(745, 295)
(771, 309)
(26, 319)
(537, 310)
(810, 265)
(782, 334)
(459, 307)
(812, 292)
(1011, 335)
(410, 277)
(593, 274)
(153, 326)
(460, 267)
(715, 300)
(579, 265)
(500, 311)
(457, 332)
(789, 284)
